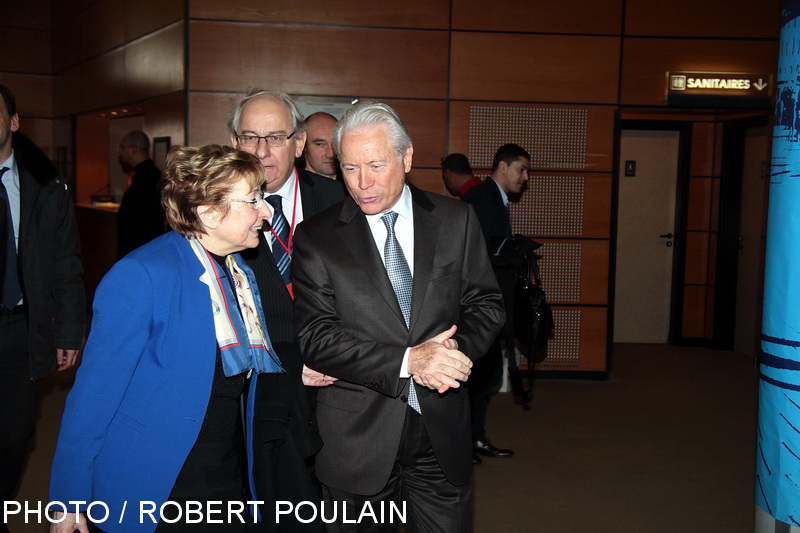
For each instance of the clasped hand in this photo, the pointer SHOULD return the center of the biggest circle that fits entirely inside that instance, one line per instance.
(438, 364)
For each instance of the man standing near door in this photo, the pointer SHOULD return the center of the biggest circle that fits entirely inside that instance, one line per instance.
(490, 201)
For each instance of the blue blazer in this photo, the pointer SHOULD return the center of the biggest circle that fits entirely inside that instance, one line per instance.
(143, 387)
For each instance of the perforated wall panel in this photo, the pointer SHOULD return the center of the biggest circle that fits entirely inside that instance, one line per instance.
(563, 350)
(555, 137)
(560, 268)
(551, 205)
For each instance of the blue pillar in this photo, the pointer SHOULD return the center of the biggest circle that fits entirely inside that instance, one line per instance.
(778, 451)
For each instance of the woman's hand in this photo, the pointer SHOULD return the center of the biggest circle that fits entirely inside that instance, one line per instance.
(70, 523)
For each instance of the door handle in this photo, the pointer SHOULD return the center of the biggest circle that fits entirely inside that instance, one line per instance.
(666, 236)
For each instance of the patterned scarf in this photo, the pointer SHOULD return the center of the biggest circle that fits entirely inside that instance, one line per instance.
(242, 340)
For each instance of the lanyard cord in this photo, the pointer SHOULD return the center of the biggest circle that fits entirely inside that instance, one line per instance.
(288, 245)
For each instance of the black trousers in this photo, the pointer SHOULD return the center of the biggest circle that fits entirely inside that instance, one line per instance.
(18, 399)
(487, 373)
(433, 504)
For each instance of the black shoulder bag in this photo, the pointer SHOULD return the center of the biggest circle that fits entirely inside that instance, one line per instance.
(533, 318)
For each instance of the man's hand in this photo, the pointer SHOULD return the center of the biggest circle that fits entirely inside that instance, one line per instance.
(69, 523)
(312, 378)
(66, 358)
(437, 364)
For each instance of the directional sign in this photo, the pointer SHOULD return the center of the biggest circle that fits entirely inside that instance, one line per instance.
(726, 89)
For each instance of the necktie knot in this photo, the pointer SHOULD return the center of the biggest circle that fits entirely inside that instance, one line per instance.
(389, 219)
(274, 201)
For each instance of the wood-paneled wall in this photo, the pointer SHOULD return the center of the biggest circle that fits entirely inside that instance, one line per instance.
(435, 61)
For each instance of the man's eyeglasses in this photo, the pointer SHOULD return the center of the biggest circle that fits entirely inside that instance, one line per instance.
(276, 140)
(254, 203)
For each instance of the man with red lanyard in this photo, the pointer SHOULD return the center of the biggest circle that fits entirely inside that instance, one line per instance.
(268, 125)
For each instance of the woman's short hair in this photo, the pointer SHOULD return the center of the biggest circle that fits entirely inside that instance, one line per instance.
(203, 176)
(369, 114)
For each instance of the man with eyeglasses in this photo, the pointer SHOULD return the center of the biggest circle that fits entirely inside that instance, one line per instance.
(268, 125)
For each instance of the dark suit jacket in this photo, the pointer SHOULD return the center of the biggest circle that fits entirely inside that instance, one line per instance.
(488, 204)
(140, 218)
(286, 435)
(49, 259)
(350, 326)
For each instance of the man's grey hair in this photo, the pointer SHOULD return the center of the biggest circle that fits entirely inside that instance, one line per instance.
(298, 124)
(369, 114)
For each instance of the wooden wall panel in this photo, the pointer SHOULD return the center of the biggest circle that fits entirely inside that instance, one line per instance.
(697, 252)
(427, 179)
(408, 14)
(699, 204)
(154, 64)
(41, 131)
(600, 132)
(102, 27)
(32, 51)
(704, 18)
(91, 149)
(544, 16)
(646, 62)
(702, 156)
(165, 116)
(694, 311)
(546, 68)
(33, 93)
(102, 81)
(32, 14)
(67, 46)
(594, 324)
(379, 63)
(591, 272)
(208, 113)
(145, 16)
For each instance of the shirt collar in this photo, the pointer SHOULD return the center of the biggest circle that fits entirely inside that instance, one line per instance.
(287, 189)
(402, 207)
(503, 194)
(9, 162)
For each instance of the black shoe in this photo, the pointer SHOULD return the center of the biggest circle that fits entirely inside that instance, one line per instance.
(484, 448)
(476, 460)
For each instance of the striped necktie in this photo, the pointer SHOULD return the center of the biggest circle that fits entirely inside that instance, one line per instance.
(280, 239)
(402, 283)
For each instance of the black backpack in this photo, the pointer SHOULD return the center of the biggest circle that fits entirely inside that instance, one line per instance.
(533, 318)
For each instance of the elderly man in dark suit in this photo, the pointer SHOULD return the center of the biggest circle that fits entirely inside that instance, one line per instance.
(395, 298)
(268, 124)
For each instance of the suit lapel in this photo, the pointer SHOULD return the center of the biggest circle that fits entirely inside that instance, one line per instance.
(426, 234)
(359, 241)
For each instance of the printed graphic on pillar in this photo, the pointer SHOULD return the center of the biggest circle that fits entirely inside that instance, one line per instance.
(778, 457)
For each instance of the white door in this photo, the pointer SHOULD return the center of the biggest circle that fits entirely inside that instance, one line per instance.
(748, 304)
(646, 211)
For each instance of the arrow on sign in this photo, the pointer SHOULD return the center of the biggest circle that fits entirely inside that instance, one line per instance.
(760, 85)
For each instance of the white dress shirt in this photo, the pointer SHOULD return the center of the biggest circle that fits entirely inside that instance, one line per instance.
(286, 193)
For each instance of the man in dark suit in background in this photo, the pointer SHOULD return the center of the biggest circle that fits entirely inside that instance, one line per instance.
(395, 298)
(286, 438)
(140, 218)
(42, 300)
(490, 201)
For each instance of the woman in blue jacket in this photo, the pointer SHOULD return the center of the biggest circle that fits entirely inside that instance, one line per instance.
(177, 331)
